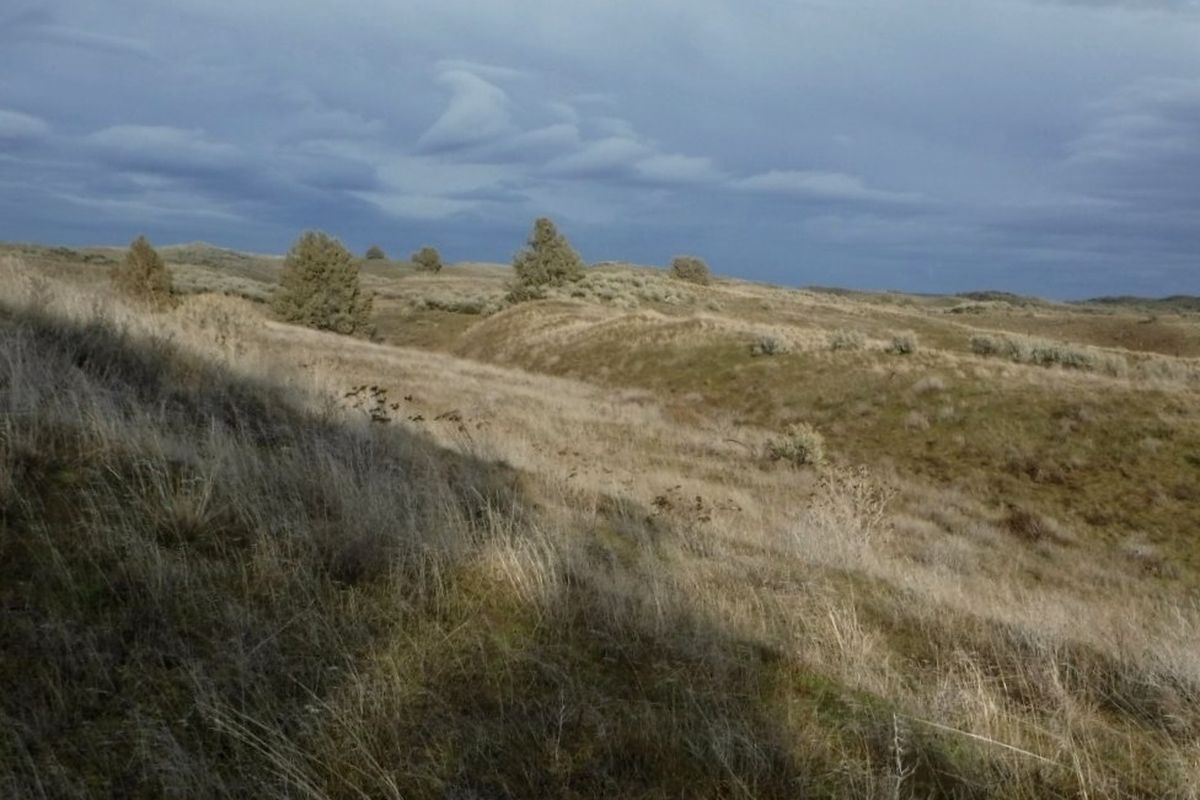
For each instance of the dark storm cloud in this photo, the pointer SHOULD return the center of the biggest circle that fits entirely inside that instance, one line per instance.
(1038, 145)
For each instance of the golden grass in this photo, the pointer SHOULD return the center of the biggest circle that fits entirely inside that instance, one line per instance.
(263, 560)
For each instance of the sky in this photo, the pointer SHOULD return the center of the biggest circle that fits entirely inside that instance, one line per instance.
(1049, 147)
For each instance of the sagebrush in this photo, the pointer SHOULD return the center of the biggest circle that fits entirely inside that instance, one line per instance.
(801, 445)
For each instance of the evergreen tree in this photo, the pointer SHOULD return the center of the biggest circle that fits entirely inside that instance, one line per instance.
(142, 275)
(548, 259)
(375, 253)
(320, 287)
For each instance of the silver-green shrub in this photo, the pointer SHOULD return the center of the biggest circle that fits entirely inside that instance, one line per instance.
(802, 445)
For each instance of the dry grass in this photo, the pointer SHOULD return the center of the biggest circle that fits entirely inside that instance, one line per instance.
(244, 559)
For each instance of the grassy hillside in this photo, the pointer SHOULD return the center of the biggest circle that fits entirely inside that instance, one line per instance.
(542, 550)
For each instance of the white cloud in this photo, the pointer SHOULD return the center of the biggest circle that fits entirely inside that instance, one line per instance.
(415, 206)
(478, 112)
(152, 205)
(18, 126)
(674, 168)
(601, 157)
(836, 186)
(539, 144)
(309, 116)
(491, 71)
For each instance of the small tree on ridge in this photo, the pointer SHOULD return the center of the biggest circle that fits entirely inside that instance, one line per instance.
(548, 259)
(142, 275)
(320, 288)
(691, 269)
(427, 259)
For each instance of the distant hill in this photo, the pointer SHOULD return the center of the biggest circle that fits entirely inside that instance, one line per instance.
(1175, 302)
(252, 266)
(993, 296)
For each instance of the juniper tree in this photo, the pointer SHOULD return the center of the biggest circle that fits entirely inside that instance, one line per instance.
(320, 288)
(548, 259)
(427, 259)
(691, 269)
(142, 275)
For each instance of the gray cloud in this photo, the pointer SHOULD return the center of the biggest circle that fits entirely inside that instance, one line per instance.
(161, 148)
(1039, 146)
(74, 37)
(1143, 147)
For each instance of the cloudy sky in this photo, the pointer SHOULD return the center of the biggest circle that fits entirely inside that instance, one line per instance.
(1039, 146)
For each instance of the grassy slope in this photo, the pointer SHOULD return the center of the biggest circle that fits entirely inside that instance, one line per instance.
(233, 589)
(211, 593)
(1117, 460)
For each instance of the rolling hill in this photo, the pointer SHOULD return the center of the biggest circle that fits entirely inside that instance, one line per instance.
(551, 548)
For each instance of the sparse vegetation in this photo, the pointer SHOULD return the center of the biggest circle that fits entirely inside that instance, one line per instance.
(320, 288)
(691, 269)
(427, 259)
(142, 276)
(547, 260)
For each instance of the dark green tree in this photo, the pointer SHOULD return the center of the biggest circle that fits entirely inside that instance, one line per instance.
(548, 259)
(375, 253)
(320, 288)
(427, 259)
(143, 276)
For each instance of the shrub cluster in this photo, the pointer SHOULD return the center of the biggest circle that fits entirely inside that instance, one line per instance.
(1045, 353)
(375, 253)
(691, 269)
(143, 276)
(427, 259)
(769, 346)
(547, 260)
(802, 445)
(903, 343)
(320, 287)
(845, 339)
(626, 289)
